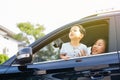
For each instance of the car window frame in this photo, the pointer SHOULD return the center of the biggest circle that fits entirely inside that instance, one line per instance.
(117, 18)
(111, 20)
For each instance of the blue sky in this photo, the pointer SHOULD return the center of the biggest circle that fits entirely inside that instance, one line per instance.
(50, 13)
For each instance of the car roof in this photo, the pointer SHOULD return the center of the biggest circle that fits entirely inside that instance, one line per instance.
(102, 14)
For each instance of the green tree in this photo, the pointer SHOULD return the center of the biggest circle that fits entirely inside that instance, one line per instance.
(26, 29)
(3, 58)
(36, 31)
(20, 37)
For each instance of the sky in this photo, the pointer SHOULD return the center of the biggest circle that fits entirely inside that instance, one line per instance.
(50, 13)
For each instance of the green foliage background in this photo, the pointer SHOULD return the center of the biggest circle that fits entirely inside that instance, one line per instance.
(3, 58)
(26, 28)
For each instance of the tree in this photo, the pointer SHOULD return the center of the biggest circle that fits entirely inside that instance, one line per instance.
(20, 37)
(3, 58)
(27, 28)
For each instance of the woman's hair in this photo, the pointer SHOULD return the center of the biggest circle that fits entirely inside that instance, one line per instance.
(106, 43)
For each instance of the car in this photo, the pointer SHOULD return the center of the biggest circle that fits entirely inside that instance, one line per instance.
(40, 60)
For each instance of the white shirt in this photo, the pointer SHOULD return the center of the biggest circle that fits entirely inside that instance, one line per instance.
(71, 51)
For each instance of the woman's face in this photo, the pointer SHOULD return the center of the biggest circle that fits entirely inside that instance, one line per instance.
(99, 47)
(75, 33)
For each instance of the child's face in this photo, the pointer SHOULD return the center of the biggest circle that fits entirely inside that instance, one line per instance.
(98, 47)
(75, 33)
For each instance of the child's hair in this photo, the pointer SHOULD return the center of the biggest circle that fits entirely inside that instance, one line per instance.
(82, 30)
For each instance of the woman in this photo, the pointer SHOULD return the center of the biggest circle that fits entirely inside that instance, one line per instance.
(100, 46)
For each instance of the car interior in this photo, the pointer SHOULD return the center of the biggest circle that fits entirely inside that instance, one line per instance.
(94, 31)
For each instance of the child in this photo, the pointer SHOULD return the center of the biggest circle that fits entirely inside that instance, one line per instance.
(74, 48)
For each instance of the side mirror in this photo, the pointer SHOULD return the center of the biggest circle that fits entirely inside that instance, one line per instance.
(24, 55)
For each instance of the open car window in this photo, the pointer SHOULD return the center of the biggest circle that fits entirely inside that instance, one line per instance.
(94, 30)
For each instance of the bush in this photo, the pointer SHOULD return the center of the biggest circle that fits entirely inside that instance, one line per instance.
(3, 58)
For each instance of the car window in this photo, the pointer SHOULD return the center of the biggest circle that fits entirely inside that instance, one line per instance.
(94, 30)
(49, 52)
